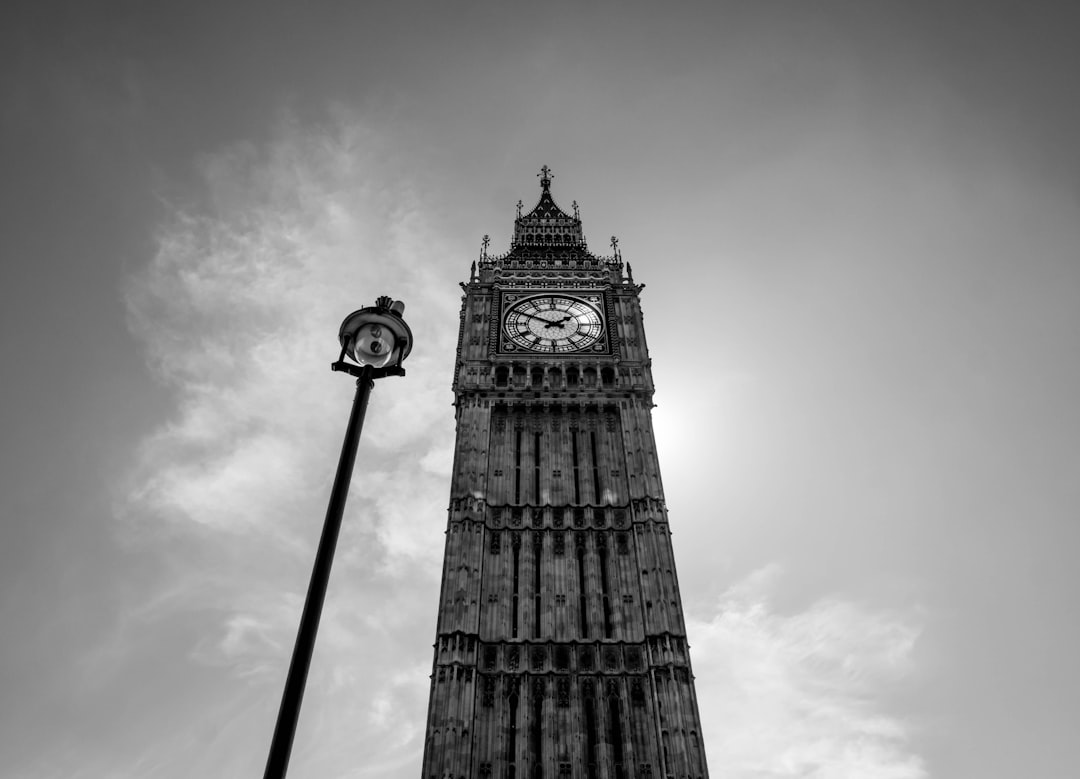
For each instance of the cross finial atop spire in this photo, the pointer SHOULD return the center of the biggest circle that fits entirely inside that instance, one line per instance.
(545, 177)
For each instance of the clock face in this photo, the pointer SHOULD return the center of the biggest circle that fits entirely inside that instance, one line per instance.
(553, 324)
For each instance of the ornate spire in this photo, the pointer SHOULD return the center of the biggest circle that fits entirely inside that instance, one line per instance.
(547, 225)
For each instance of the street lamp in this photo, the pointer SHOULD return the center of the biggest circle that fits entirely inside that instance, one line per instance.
(379, 340)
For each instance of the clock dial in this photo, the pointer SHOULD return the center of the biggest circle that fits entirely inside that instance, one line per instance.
(553, 323)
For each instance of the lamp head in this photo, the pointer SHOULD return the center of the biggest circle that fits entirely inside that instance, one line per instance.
(377, 335)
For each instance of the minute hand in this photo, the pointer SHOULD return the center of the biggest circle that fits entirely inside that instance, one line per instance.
(533, 316)
(547, 322)
(560, 322)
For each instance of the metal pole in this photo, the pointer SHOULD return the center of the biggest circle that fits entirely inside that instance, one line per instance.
(289, 713)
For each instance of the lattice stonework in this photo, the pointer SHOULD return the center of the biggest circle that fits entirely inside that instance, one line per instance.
(560, 648)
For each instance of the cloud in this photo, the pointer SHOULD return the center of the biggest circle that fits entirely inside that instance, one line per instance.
(238, 313)
(800, 695)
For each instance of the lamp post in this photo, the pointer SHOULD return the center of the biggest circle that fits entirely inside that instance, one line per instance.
(379, 340)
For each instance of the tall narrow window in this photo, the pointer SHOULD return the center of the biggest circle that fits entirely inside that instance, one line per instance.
(583, 601)
(604, 590)
(538, 549)
(590, 735)
(595, 468)
(511, 743)
(536, 731)
(615, 735)
(514, 615)
(517, 466)
(577, 466)
(536, 468)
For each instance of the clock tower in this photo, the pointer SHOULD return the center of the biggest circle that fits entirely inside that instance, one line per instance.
(560, 649)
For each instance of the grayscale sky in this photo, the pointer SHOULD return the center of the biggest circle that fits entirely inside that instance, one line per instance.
(858, 227)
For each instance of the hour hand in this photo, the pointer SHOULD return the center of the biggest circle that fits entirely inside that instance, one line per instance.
(560, 322)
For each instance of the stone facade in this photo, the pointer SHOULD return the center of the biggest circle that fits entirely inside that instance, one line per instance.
(560, 649)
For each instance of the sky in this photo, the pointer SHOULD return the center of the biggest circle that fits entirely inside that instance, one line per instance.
(857, 224)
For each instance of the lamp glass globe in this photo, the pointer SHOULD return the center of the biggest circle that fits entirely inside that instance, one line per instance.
(374, 345)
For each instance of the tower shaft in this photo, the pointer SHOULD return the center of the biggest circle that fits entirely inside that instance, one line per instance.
(561, 648)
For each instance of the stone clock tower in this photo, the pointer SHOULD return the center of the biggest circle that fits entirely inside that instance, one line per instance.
(560, 651)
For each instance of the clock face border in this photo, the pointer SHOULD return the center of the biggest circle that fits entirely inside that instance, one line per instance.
(593, 298)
